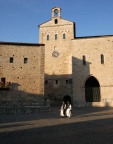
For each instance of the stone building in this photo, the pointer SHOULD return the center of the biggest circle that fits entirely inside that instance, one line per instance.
(56, 34)
(77, 69)
(21, 74)
(63, 67)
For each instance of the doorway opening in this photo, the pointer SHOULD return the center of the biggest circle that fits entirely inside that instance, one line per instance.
(92, 90)
(67, 98)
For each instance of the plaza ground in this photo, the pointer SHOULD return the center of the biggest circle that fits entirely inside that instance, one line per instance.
(86, 126)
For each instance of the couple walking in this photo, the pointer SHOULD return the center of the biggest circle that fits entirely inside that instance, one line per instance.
(66, 109)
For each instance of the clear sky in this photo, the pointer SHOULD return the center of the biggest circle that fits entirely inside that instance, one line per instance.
(19, 19)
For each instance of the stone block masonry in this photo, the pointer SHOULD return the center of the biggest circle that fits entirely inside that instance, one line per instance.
(22, 68)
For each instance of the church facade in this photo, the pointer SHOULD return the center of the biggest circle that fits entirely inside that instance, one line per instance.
(77, 69)
(61, 67)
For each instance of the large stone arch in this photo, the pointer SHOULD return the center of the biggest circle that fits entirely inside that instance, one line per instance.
(92, 90)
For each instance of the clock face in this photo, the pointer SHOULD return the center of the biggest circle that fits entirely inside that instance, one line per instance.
(55, 54)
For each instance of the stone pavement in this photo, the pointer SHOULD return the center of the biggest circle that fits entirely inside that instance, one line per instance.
(86, 126)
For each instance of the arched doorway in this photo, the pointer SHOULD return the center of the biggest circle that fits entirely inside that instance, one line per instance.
(92, 90)
(67, 98)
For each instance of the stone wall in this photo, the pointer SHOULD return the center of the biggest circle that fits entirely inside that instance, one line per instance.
(24, 74)
(92, 48)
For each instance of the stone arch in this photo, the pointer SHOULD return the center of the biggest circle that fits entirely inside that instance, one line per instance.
(67, 98)
(55, 12)
(92, 90)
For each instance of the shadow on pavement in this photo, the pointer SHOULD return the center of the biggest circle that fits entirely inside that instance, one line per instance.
(67, 131)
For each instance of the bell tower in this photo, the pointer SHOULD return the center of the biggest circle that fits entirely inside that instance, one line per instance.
(56, 12)
(57, 34)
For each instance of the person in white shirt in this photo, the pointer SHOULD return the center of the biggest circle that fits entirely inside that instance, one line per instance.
(63, 109)
(68, 110)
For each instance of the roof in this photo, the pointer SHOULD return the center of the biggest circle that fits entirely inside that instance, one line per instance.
(20, 43)
(87, 37)
(55, 24)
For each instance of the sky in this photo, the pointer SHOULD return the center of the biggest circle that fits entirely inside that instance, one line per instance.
(19, 19)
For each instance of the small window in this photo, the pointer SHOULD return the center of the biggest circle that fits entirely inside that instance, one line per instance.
(25, 60)
(11, 60)
(67, 81)
(102, 59)
(3, 80)
(84, 60)
(3, 84)
(56, 21)
(55, 36)
(47, 37)
(46, 82)
(56, 81)
(70, 81)
(64, 36)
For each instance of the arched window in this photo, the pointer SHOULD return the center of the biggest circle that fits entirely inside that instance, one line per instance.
(55, 36)
(47, 37)
(102, 59)
(64, 36)
(84, 60)
(56, 21)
